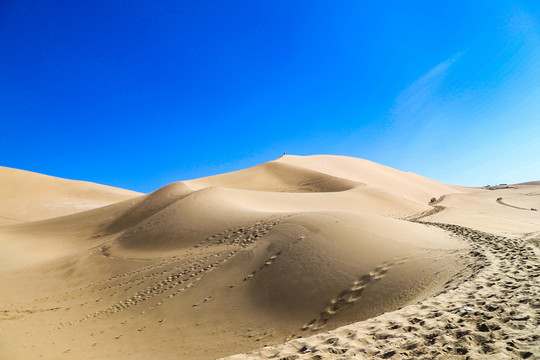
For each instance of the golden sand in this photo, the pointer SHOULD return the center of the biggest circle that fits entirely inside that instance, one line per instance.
(319, 257)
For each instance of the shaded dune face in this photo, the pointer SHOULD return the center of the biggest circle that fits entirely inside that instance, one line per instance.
(184, 221)
(313, 275)
(149, 205)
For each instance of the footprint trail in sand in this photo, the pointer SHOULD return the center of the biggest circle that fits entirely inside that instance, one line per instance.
(492, 312)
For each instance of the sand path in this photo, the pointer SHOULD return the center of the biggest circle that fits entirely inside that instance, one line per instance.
(512, 206)
(490, 311)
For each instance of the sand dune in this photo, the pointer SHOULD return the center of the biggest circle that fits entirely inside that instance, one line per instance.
(277, 176)
(344, 253)
(325, 173)
(395, 182)
(27, 196)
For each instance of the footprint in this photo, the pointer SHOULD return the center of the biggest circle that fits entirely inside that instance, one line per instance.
(348, 297)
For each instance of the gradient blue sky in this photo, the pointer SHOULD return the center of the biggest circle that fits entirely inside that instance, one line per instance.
(137, 94)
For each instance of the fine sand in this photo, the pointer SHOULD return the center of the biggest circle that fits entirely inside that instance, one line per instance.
(26, 196)
(319, 257)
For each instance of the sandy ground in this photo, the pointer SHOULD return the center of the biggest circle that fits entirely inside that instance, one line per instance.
(320, 257)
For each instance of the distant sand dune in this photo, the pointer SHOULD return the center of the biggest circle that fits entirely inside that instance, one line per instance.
(26, 196)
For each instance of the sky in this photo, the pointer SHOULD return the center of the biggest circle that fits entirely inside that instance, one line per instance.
(138, 94)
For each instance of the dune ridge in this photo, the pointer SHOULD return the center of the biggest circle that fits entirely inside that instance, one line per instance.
(277, 176)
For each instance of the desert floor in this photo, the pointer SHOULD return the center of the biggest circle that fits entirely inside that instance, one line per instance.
(319, 257)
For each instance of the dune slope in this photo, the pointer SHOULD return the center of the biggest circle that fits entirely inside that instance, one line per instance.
(277, 176)
(27, 196)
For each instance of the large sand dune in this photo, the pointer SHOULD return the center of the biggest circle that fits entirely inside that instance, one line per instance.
(302, 257)
(27, 196)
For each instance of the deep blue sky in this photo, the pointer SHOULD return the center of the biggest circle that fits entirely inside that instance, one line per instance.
(137, 94)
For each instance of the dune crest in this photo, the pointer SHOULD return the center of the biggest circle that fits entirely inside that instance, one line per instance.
(277, 176)
(402, 184)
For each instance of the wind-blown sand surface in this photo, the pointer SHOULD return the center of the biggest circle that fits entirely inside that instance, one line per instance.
(320, 257)
(27, 196)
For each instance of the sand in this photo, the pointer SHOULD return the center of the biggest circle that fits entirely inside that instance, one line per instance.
(27, 196)
(319, 257)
